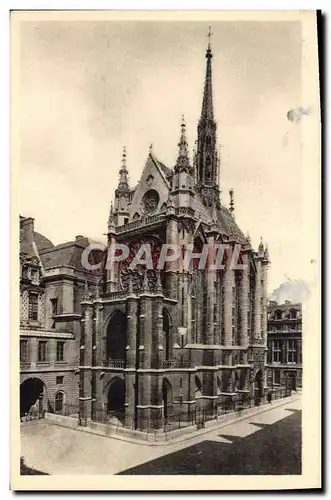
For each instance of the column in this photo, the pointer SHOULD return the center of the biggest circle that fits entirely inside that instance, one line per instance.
(130, 409)
(111, 268)
(171, 268)
(157, 354)
(132, 323)
(98, 344)
(211, 278)
(243, 302)
(227, 298)
(257, 304)
(86, 395)
(264, 326)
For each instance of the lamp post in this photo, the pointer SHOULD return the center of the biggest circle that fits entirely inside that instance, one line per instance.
(182, 330)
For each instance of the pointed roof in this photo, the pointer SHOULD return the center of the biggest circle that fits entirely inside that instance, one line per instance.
(207, 111)
(123, 185)
(183, 162)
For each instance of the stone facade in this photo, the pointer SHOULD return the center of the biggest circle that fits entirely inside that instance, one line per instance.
(159, 344)
(52, 283)
(285, 345)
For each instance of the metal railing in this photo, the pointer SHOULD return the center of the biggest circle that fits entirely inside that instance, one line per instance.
(114, 363)
(173, 420)
(176, 363)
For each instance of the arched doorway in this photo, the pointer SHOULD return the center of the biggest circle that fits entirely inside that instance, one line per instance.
(117, 336)
(166, 334)
(258, 387)
(116, 396)
(31, 392)
(167, 398)
(59, 402)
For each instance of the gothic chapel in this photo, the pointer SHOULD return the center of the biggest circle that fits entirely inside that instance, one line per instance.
(157, 346)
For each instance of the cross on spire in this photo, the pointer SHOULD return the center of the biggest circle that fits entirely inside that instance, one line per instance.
(209, 35)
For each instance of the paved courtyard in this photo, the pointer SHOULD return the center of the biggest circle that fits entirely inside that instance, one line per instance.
(266, 443)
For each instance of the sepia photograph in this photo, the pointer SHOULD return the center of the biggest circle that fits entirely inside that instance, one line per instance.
(165, 197)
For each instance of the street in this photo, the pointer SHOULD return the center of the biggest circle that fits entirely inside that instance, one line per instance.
(267, 443)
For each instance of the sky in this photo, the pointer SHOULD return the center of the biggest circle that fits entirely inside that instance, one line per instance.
(89, 88)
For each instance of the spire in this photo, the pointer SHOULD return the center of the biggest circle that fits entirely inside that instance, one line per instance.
(111, 213)
(266, 253)
(207, 160)
(183, 162)
(130, 287)
(86, 295)
(111, 219)
(145, 283)
(207, 111)
(261, 248)
(248, 239)
(123, 184)
(159, 288)
(231, 208)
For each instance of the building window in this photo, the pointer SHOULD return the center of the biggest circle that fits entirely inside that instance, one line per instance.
(59, 351)
(269, 354)
(291, 352)
(42, 350)
(278, 314)
(276, 376)
(59, 380)
(34, 275)
(23, 350)
(33, 306)
(293, 314)
(53, 307)
(276, 351)
(59, 400)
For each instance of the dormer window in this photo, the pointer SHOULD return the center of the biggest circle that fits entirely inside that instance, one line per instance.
(34, 275)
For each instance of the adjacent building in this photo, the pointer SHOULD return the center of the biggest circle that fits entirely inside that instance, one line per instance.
(285, 345)
(52, 282)
(157, 345)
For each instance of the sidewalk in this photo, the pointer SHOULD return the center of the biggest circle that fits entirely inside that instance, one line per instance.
(173, 437)
(55, 449)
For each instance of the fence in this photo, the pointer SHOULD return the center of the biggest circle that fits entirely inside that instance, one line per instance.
(174, 421)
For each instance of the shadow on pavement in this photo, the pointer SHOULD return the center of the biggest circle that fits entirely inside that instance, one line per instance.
(29, 471)
(273, 450)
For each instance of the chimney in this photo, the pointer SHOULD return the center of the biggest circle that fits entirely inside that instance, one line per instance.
(79, 237)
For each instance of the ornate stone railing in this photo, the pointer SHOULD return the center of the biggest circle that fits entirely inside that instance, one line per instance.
(144, 221)
(175, 364)
(121, 294)
(114, 363)
(185, 211)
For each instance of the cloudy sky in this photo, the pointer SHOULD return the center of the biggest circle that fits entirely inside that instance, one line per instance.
(88, 88)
